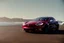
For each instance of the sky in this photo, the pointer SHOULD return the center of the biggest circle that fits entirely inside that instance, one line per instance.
(29, 9)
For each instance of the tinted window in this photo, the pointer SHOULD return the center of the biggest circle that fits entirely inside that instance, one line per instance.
(44, 18)
(52, 18)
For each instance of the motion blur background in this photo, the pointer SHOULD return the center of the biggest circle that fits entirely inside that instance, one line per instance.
(29, 9)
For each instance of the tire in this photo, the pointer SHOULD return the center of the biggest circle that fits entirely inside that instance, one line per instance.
(45, 29)
(56, 28)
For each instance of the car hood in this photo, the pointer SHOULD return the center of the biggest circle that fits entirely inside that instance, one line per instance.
(33, 22)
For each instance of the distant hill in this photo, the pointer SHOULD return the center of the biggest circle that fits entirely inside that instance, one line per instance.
(5, 19)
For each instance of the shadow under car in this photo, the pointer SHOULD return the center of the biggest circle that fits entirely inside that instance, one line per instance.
(51, 32)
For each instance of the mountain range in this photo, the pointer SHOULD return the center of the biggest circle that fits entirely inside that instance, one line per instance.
(5, 19)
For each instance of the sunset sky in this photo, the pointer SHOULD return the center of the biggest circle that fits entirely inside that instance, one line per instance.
(29, 9)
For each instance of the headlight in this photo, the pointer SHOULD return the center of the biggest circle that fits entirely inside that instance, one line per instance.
(39, 24)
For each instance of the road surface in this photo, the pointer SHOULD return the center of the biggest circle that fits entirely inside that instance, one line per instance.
(15, 34)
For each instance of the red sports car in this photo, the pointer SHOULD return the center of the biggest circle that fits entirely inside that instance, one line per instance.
(41, 24)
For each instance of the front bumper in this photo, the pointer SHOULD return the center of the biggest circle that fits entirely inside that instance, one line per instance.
(32, 27)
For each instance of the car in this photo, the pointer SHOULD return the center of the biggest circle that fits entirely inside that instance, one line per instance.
(41, 24)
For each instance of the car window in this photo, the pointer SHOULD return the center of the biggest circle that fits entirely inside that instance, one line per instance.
(44, 18)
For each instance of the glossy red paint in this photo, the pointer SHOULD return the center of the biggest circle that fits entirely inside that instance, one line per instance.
(32, 24)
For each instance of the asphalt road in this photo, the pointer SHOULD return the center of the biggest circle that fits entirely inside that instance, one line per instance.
(15, 34)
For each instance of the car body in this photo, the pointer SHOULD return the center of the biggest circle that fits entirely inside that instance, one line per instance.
(41, 24)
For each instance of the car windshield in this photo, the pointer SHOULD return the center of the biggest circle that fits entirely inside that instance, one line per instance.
(44, 18)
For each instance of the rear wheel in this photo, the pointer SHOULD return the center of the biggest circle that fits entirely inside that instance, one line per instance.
(57, 27)
(54, 27)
